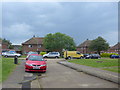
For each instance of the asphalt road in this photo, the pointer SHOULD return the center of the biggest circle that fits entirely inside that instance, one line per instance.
(59, 76)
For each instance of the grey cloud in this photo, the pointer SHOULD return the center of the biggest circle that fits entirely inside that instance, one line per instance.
(79, 20)
(16, 32)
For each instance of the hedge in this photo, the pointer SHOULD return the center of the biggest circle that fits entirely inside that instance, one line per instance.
(107, 54)
(42, 53)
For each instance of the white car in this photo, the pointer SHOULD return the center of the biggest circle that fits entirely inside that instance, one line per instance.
(3, 53)
(8, 54)
(52, 55)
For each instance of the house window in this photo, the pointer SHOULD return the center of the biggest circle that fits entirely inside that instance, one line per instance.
(39, 46)
(30, 46)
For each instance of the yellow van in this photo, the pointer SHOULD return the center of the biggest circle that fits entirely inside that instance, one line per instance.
(72, 54)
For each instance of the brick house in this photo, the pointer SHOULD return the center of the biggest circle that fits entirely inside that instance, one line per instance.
(34, 44)
(5, 45)
(114, 49)
(83, 47)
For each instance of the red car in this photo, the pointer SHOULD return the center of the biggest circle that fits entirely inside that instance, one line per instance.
(36, 63)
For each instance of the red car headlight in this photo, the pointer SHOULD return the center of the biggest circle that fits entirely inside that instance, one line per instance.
(43, 65)
(29, 64)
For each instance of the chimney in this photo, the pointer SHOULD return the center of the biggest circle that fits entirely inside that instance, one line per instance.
(33, 35)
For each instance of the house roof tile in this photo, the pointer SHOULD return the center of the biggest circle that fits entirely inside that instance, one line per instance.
(34, 40)
(85, 43)
(117, 46)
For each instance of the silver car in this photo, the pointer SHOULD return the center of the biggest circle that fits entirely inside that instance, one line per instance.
(11, 54)
(52, 55)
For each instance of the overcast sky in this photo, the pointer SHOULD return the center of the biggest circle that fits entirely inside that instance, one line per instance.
(80, 20)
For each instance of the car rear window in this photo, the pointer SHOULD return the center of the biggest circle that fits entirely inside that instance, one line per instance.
(32, 53)
(36, 58)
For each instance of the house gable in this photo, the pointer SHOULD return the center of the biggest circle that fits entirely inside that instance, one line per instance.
(84, 47)
(34, 44)
(85, 43)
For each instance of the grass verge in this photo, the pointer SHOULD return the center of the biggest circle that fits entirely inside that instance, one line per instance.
(105, 64)
(0, 69)
(23, 56)
(7, 67)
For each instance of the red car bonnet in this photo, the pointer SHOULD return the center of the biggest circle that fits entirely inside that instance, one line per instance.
(36, 62)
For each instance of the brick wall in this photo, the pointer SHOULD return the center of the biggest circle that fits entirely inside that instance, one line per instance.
(26, 48)
(4, 46)
(84, 50)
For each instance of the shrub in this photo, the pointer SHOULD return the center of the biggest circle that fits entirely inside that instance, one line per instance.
(107, 54)
(42, 53)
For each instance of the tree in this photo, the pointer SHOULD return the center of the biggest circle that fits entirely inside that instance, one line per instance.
(7, 42)
(10, 46)
(98, 45)
(58, 42)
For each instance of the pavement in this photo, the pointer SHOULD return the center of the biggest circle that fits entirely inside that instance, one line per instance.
(15, 77)
(107, 75)
(21, 79)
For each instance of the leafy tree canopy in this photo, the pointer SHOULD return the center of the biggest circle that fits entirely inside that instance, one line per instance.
(58, 42)
(7, 42)
(98, 45)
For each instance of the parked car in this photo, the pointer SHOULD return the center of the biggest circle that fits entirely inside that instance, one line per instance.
(35, 62)
(87, 56)
(115, 56)
(3, 53)
(11, 54)
(73, 54)
(91, 56)
(94, 56)
(52, 55)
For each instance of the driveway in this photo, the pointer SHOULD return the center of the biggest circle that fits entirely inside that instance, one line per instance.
(59, 76)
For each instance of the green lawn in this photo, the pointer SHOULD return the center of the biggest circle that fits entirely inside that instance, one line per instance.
(0, 69)
(7, 67)
(105, 64)
(23, 56)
